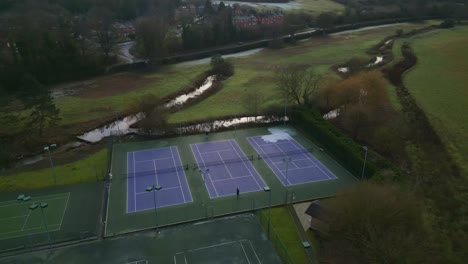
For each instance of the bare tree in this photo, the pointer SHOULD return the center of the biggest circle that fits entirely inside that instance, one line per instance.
(376, 224)
(151, 37)
(101, 24)
(154, 114)
(297, 83)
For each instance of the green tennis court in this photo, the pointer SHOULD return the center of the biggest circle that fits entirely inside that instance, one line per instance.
(17, 219)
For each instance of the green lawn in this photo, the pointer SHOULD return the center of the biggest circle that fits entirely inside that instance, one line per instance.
(284, 234)
(78, 108)
(256, 72)
(439, 84)
(89, 169)
(16, 219)
(320, 6)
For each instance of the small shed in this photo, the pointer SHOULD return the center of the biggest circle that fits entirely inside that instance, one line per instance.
(317, 214)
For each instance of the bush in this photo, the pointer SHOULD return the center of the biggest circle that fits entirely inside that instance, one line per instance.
(448, 23)
(341, 147)
(221, 67)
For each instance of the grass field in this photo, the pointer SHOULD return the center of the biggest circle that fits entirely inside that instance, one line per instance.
(90, 169)
(438, 83)
(319, 6)
(256, 72)
(284, 233)
(16, 219)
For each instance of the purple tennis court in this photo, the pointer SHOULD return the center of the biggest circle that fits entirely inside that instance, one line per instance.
(291, 163)
(155, 167)
(225, 168)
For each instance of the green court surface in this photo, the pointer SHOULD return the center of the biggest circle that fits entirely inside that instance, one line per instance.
(71, 215)
(16, 219)
(233, 239)
(203, 207)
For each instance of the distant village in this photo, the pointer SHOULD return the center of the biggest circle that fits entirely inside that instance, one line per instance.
(243, 17)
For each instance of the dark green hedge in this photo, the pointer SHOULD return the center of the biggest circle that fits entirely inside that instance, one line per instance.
(343, 149)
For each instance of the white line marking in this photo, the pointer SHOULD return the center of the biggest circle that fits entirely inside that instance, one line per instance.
(271, 161)
(230, 179)
(204, 165)
(163, 189)
(26, 221)
(184, 178)
(255, 252)
(40, 198)
(255, 179)
(64, 209)
(216, 151)
(180, 184)
(225, 166)
(175, 261)
(308, 156)
(245, 254)
(141, 161)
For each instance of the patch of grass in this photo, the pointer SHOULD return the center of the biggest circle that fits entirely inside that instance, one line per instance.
(256, 72)
(438, 83)
(74, 109)
(392, 95)
(284, 233)
(320, 6)
(89, 169)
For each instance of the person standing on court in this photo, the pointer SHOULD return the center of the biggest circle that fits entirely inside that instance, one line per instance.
(237, 191)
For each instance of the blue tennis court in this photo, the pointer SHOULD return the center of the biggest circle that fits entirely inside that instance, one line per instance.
(291, 163)
(225, 168)
(155, 167)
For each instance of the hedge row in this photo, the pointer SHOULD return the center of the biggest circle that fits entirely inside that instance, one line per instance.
(346, 151)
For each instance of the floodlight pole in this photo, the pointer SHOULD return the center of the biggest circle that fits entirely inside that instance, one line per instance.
(153, 189)
(42, 206)
(51, 163)
(268, 190)
(23, 198)
(365, 160)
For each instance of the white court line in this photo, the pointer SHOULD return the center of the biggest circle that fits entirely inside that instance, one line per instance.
(162, 189)
(239, 155)
(253, 139)
(245, 254)
(216, 151)
(177, 171)
(15, 202)
(184, 179)
(64, 209)
(293, 169)
(25, 221)
(292, 143)
(291, 161)
(225, 166)
(152, 160)
(255, 252)
(212, 246)
(230, 179)
(209, 176)
(1, 219)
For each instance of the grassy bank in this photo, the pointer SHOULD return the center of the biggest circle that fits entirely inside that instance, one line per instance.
(89, 169)
(256, 72)
(438, 83)
(284, 235)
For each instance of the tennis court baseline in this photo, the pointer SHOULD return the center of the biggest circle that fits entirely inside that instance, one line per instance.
(291, 163)
(225, 168)
(16, 219)
(155, 167)
(241, 251)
